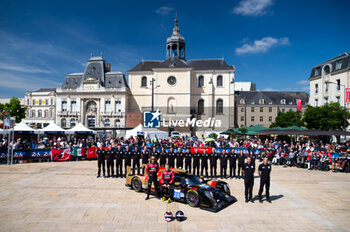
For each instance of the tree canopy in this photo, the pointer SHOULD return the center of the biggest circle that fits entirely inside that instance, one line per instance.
(289, 118)
(15, 109)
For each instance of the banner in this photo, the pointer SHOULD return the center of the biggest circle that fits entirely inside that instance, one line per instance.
(299, 105)
(347, 93)
(39, 154)
(201, 149)
(79, 151)
(91, 153)
(61, 154)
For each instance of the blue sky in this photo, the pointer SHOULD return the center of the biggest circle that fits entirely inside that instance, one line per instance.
(272, 43)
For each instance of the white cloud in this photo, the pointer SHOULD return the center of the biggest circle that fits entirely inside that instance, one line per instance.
(252, 7)
(303, 82)
(22, 68)
(164, 10)
(262, 46)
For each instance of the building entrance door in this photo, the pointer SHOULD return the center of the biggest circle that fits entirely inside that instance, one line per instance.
(91, 121)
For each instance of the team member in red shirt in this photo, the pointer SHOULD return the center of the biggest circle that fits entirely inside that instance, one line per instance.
(167, 181)
(152, 171)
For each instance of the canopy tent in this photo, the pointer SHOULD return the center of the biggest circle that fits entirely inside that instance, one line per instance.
(251, 130)
(80, 129)
(304, 132)
(228, 132)
(139, 130)
(22, 128)
(52, 128)
(134, 132)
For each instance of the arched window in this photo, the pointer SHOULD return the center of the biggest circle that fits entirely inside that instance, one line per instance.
(72, 122)
(171, 105)
(200, 81)
(261, 101)
(143, 81)
(326, 69)
(219, 106)
(33, 113)
(63, 123)
(219, 80)
(283, 101)
(91, 106)
(107, 123)
(117, 123)
(201, 106)
(242, 101)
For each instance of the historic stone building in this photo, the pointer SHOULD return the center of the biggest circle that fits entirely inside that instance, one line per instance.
(199, 88)
(261, 107)
(97, 97)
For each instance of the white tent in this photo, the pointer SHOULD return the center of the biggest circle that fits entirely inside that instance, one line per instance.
(52, 128)
(134, 132)
(80, 129)
(23, 128)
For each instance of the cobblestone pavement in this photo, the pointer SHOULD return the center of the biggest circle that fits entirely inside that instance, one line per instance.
(68, 197)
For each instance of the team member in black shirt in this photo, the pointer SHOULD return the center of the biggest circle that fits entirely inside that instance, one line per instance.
(127, 158)
(196, 157)
(110, 162)
(233, 158)
(136, 161)
(171, 158)
(223, 163)
(162, 160)
(119, 162)
(145, 157)
(264, 173)
(101, 161)
(179, 159)
(248, 171)
(204, 162)
(240, 163)
(213, 163)
(155, 152)
(188, 159)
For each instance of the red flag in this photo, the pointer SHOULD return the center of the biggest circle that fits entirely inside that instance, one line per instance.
(299, 105)
(91, 153)
(61, 154)
(347, 91)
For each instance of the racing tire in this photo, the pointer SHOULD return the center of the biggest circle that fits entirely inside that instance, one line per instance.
(192, 198)
(136, 184)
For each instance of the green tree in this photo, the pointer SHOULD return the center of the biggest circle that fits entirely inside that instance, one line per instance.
(289, 118)
(213, 135)
(327, 117)
(15, 109)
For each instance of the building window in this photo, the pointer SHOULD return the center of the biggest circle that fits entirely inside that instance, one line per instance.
(117, 123)
(338, 64)
(33, 113)
(242, 118)
(46, 113)
(326, 86)
(72, 122)
(326, 100)
(316, 88)
(219, 80)
(338, 99)
(118, 105)
(63, 123)
(201, 106)
(252, 109)
(107, 106)
(283, 110)
(64, 105)
(40, 101)
(270, 109)
(171, 80)
(261, 109)
(51, 101)
(73, 106)
(46, 101)
(143, 81)
(200, 81)
(242, 109)
(261, 101)
(290, 109)
(326, 70)
(317, 71)
(252, 118)
(40, 113)
(261, 118)
(171, 105)
(270, 118)
(107, 123)
(242, 101)
(219, 106)
(51, 113)
(283, 101)
(316, 102)
(338, 84)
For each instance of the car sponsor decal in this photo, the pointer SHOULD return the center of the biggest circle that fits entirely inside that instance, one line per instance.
(178, 194)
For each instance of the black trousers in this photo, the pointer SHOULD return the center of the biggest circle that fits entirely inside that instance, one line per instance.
(213, 170)
(171, 164)
(223, 171)
(204, 167)
(119, 167)
(162, 162)
(196, 169)
(110, 167)
(153, 179)
(233, 170)
(267, 187)
(168, 192)
(136, 164)
(179, 165)
(188, 166)
(240, 167)
(99, 164)
(248, 188)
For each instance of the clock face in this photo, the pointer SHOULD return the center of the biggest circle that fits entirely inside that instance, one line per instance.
(171, 80)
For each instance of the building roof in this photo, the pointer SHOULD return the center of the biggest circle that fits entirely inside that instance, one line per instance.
(46, 90)
(343, 58)
(174, 62)
(272, 97)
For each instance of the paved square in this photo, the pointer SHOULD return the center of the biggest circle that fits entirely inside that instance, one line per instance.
(68, 197)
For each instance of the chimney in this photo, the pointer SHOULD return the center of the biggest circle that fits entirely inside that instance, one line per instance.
(108, 67)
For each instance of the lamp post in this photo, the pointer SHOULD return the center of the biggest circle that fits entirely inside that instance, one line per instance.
(152, 89)
(344, 121)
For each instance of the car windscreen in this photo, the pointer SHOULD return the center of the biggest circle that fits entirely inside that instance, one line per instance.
(192, 180)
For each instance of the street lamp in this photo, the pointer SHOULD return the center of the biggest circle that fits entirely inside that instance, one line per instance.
(344, 121)
(153, 88)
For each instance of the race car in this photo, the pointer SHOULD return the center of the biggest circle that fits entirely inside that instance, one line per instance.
(211, 195)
